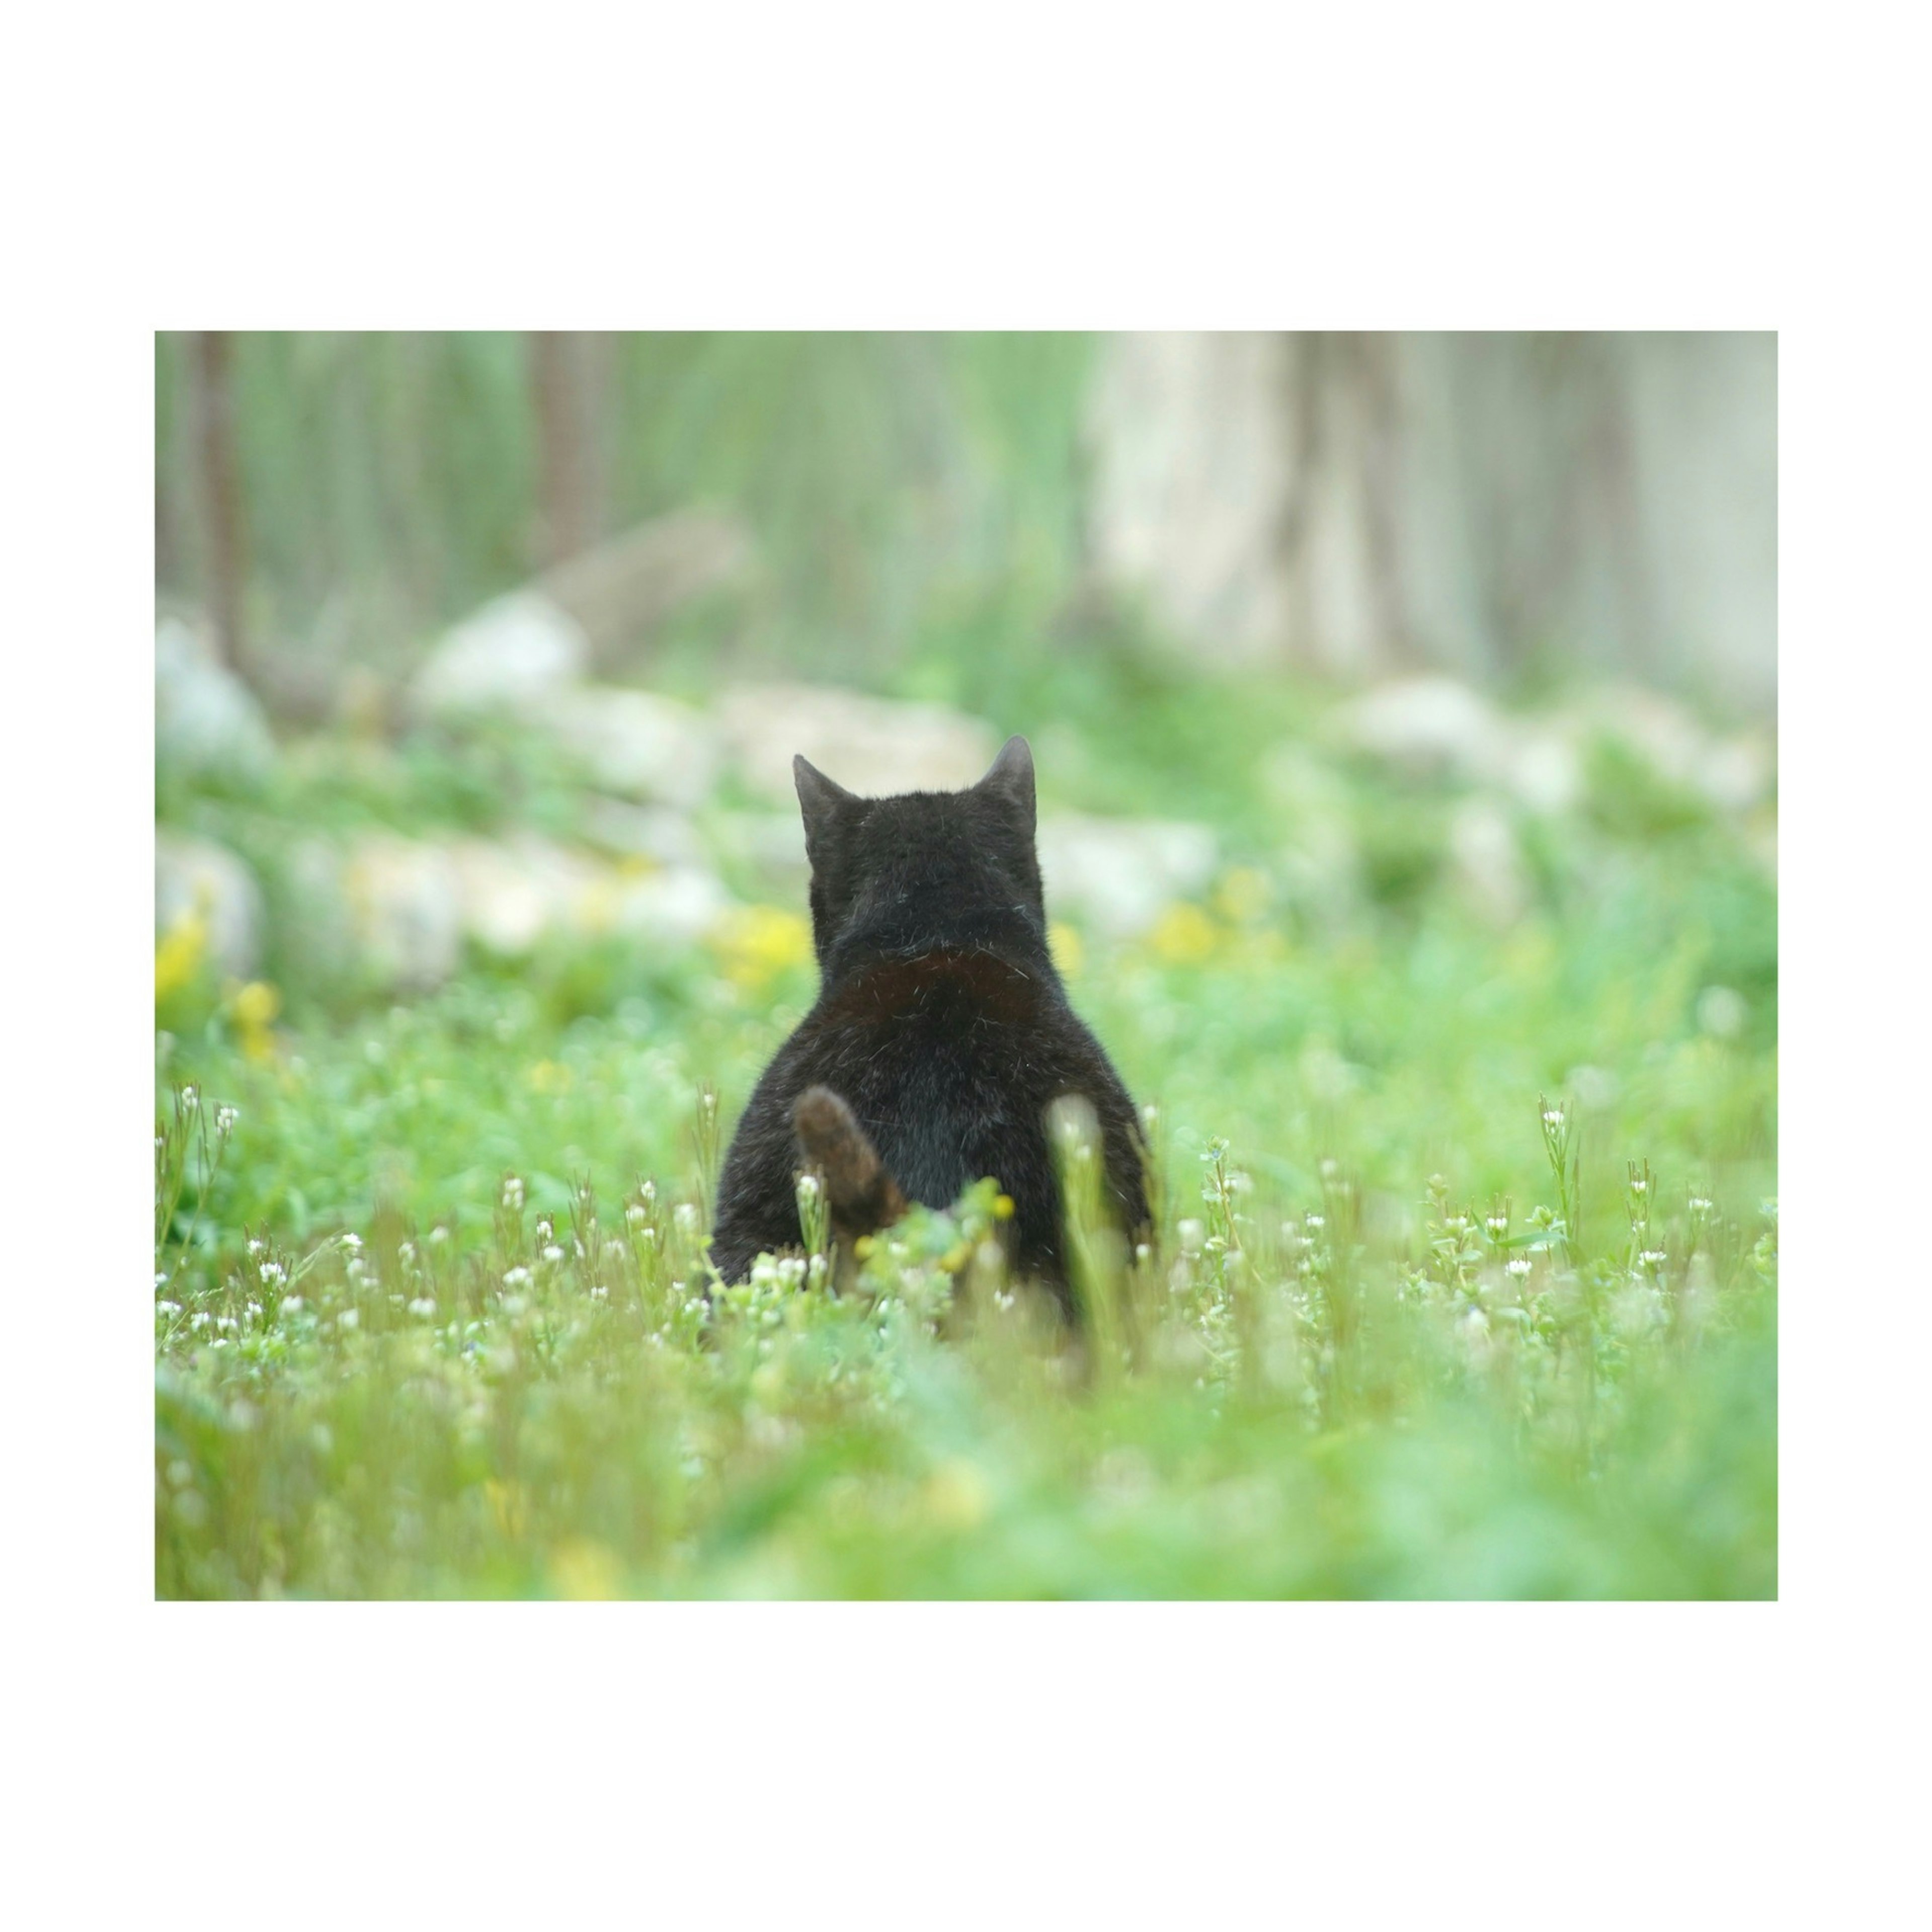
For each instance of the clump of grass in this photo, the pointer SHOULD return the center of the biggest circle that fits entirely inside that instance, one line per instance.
(1272, 1397)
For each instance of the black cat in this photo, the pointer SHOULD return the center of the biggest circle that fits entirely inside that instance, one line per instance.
(941, 1035)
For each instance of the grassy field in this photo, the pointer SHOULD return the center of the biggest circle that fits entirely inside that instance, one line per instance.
(1466, 1284)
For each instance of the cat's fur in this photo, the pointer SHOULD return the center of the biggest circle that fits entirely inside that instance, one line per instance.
(941, 1035)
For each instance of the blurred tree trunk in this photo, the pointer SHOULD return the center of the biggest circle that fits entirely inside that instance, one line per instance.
(1481, 503)
(219, 478)
(569, 384)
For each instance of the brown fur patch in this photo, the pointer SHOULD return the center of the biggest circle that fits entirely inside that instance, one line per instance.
(862, 1197)
(893, 988)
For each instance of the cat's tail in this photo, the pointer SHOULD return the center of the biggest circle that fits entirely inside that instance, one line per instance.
(862, 1196)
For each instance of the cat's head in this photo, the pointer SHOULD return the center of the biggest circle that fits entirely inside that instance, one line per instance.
(893, 877)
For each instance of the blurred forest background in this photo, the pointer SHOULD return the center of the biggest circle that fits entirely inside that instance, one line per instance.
(1503, 506)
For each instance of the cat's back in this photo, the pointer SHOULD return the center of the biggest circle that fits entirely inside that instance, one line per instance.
(946, 1057)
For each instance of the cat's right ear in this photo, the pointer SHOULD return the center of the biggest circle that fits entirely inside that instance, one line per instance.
(819, 799)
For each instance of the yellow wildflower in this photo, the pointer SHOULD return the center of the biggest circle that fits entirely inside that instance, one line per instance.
(252, 1009)
(1183, 936)
(1063, 943)
(756, 944)
(178, 957)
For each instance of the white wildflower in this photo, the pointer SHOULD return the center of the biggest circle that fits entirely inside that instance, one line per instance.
(552, 1253)
(517, 1277)
(1552, 1116)
(1518, 1267)
(513, 1193)
(225, 1118)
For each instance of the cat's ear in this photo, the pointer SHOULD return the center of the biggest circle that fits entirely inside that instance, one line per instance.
(1011, 779)
(819, 799)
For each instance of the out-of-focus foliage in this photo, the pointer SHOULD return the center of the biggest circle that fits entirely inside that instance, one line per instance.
(390, 482)
(593, 1429)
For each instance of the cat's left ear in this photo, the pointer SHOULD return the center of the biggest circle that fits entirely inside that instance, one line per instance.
(1011, 779)
(819, 800)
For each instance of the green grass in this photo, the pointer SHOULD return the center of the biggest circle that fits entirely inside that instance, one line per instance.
(1369, 1403)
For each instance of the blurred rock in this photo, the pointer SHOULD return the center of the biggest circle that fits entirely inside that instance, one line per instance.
(399, 910)
(871, 745)
(206, 720)
(197, 877)
(1439, 726)
(1120, 874)
(512, 894)
(634, 741)
(622, 591)
(507, 895)
(511, 654)
(676, 906)
(404, 905)
(652, 831)
(1429, 726)
(1733, 774)
(300, 689)
(1541, 766)
(1486, 862)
